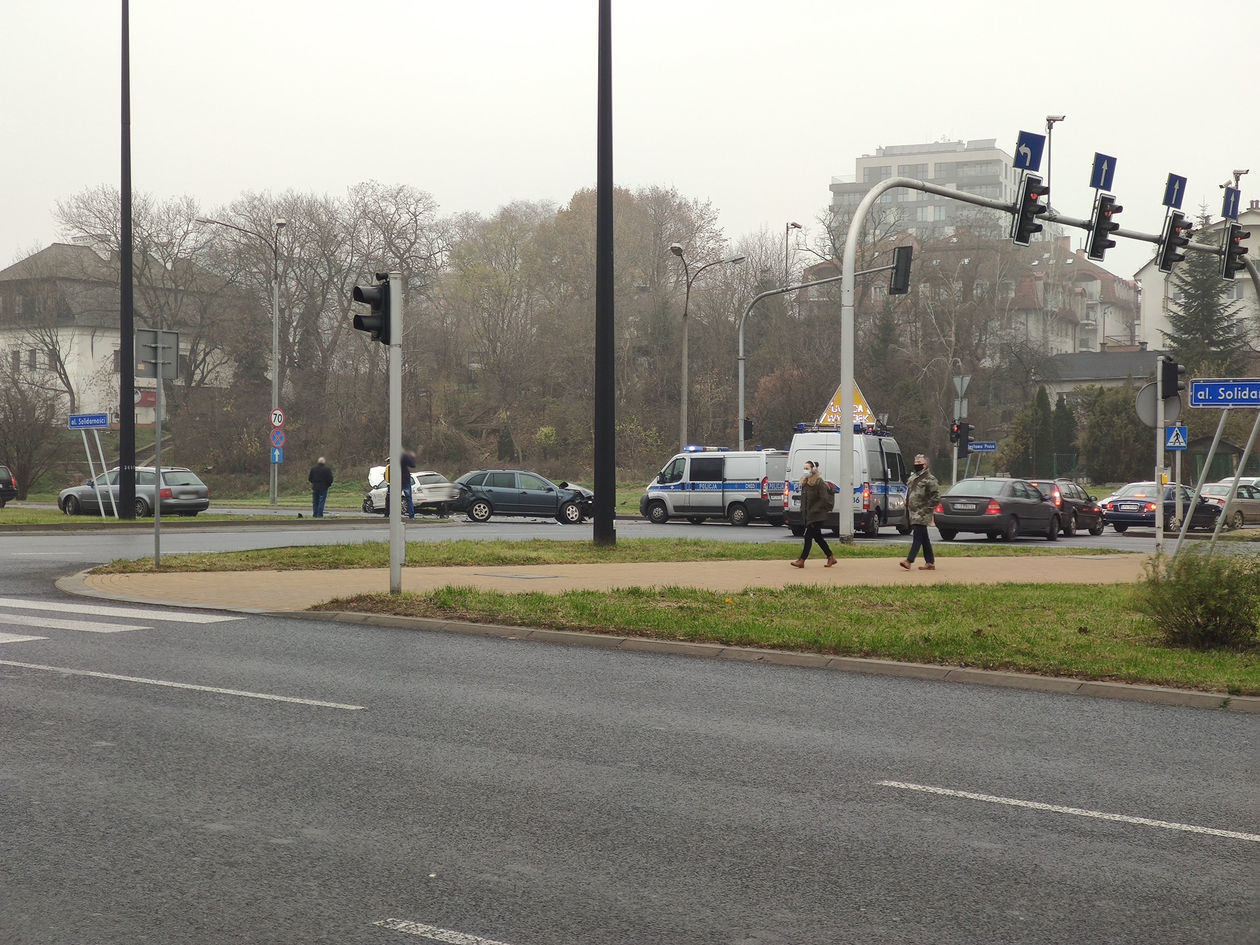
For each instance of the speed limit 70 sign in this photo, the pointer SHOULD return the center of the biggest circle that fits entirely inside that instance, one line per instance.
(277, 418)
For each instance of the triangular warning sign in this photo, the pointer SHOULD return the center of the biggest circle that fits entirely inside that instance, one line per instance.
(1176, 439)
(832, 415)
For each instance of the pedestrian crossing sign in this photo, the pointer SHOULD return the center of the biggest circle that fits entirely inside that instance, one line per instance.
(1174, 438)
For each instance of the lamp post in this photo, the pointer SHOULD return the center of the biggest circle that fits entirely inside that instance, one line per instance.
(690, 277)
(274, 243)
(787, 259)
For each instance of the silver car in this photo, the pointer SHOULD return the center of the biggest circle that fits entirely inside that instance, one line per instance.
(430, 492)
(183, 493)
(1244, 509)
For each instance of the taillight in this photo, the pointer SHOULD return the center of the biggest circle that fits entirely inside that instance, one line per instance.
(866, 497)
(939, 510)
(765, 488)
(993, 508)
(1150, 506)
(1058, 499)
(785, 495)
(166, 492)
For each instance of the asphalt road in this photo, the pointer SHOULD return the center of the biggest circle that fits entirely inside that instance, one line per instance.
(435, 786)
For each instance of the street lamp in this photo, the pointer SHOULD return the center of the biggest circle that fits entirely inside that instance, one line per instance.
(274, 243)
(691, 277)
(787, 264)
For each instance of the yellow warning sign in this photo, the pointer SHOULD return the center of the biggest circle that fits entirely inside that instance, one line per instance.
(861, 412)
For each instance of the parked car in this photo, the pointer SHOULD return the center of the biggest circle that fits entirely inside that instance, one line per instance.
(486, 492)
(1077, 508)
(1133, 506)
(1243, 509)
(8, 485)
(182, 493)
(1000, 508)
(430, 492)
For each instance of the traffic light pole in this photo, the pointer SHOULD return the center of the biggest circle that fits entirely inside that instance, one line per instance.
(397, 544)
(1159, 455)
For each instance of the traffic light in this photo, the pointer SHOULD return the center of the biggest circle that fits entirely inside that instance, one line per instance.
(1176, 235)
(953, 432)
(899, 282)
(964, 440)
(1104, 211)
(1170, 376)
(748, 428)
(377, 298)
(1232, 262)
(1028, 209)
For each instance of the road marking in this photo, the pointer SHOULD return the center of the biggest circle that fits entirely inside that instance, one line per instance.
(99, 611)
(176, 685)
(52, 623)
(1076, 811)
(433, 932)
(17, 638)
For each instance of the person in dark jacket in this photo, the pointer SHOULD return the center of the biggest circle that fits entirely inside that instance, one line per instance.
(408, 465)
(922, 494)
(320, 478)
(817, 501)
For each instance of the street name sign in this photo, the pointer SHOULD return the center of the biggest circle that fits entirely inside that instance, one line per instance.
(983, 446)
(89, 421)
(1225, 392)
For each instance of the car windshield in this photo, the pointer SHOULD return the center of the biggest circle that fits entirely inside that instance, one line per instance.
(1137, 490)
(978, 487)
(431, 478)
(180, 477)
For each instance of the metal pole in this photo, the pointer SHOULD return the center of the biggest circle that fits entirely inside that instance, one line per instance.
(158, 356)
(682, 398)
(605, 532)
(126, 299)
(397, 545)
(1159, 455)
(1198, 489)
(275, 348)
(1233, 489)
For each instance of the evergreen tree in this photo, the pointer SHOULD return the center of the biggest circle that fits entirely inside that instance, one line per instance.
(1115, 448)
(1207, 335)
(1064, 426)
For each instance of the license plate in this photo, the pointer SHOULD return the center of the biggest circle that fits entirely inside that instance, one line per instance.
(964, 506)
(1129, 507)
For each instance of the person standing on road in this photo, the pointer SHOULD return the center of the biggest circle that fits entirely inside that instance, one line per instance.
(321, 479)
(817, 501)
(408, 465)
(922, 494)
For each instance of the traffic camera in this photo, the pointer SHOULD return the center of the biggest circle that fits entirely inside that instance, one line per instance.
(1233, 262)
(1105, 210)
(1176, 235)
(376, 297)
(1028, 209)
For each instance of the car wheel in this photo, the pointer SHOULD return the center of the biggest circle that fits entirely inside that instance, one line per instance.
(479, 511)
(71, 506)
(657, 514)
(1235, 520)
(737, 514)
(993, 536)
(1096, 528)
(872, 526)
(141, 508)
(367, 504)
(570, 514)
(947, 533)
(1120, 529)
(1011, 532)
(1052, 530)
(1069, 527)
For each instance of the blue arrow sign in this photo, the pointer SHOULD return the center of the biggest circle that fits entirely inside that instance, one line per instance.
(1225, 392)
(1175, 438)
(89, 421)
(277, 455)
(1104, 170)
(983, 446)
(1028, 148)
(1174, 190)
(1229, 206)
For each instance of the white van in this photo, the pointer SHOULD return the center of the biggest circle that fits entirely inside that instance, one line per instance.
(879, 478)
(738, 485)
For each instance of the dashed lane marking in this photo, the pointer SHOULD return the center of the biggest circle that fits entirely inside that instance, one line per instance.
(52, 623)
(17, 638)
(96, 610)
(433, 932)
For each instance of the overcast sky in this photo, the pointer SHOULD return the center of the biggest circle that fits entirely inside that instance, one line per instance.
(753, 105)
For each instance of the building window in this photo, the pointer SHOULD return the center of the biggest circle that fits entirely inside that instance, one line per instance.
(873, 175)
(918, 171)
(15, 357)
(32, 359)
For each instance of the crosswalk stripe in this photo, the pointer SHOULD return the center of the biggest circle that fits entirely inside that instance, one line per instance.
(102, 611)
(17, 638)
(51, 623)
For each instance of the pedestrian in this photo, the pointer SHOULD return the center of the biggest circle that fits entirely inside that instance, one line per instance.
(922, 494)
(320, 478)
(408, 466)
(817, 501)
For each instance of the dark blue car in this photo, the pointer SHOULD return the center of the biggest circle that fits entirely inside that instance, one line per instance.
(1134, 506)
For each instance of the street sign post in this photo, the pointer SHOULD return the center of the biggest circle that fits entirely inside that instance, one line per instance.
(277, 454)
(89, 421)
(1229, 204)
(277, 437)
(1174, 190)
(277, 417)
(1225, 392)
(1175, 438)
(984, 446)
(1028, 148)
(1103, 171)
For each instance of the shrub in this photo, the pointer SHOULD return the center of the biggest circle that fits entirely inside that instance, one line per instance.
(1202, 602)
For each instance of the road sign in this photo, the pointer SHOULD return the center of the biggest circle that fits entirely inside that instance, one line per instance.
(1104, 170)
(277, 455)
(277, 437)
(1146, 406)
(277, 417)
(89, 421)
(1028, 148)
(1175, 438)
(1225, 392)
(1174, 190)
(1229, 205)
(154, 348)
(983, 446)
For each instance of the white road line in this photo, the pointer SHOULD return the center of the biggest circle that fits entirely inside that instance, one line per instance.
(17, 638)
(99, 611)
(1076, 811)
(177, 685)
(52, 623)
(433, 932)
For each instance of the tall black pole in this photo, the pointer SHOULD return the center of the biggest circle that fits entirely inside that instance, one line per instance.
(126, 303)
(605, 382)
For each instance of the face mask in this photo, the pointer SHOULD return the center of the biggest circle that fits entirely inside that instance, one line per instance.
(919, 467)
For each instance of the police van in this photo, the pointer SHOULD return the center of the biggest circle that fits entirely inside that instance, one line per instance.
(879, 477)
(700, 483)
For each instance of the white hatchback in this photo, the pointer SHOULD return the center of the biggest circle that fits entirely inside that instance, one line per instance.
(430, 491)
